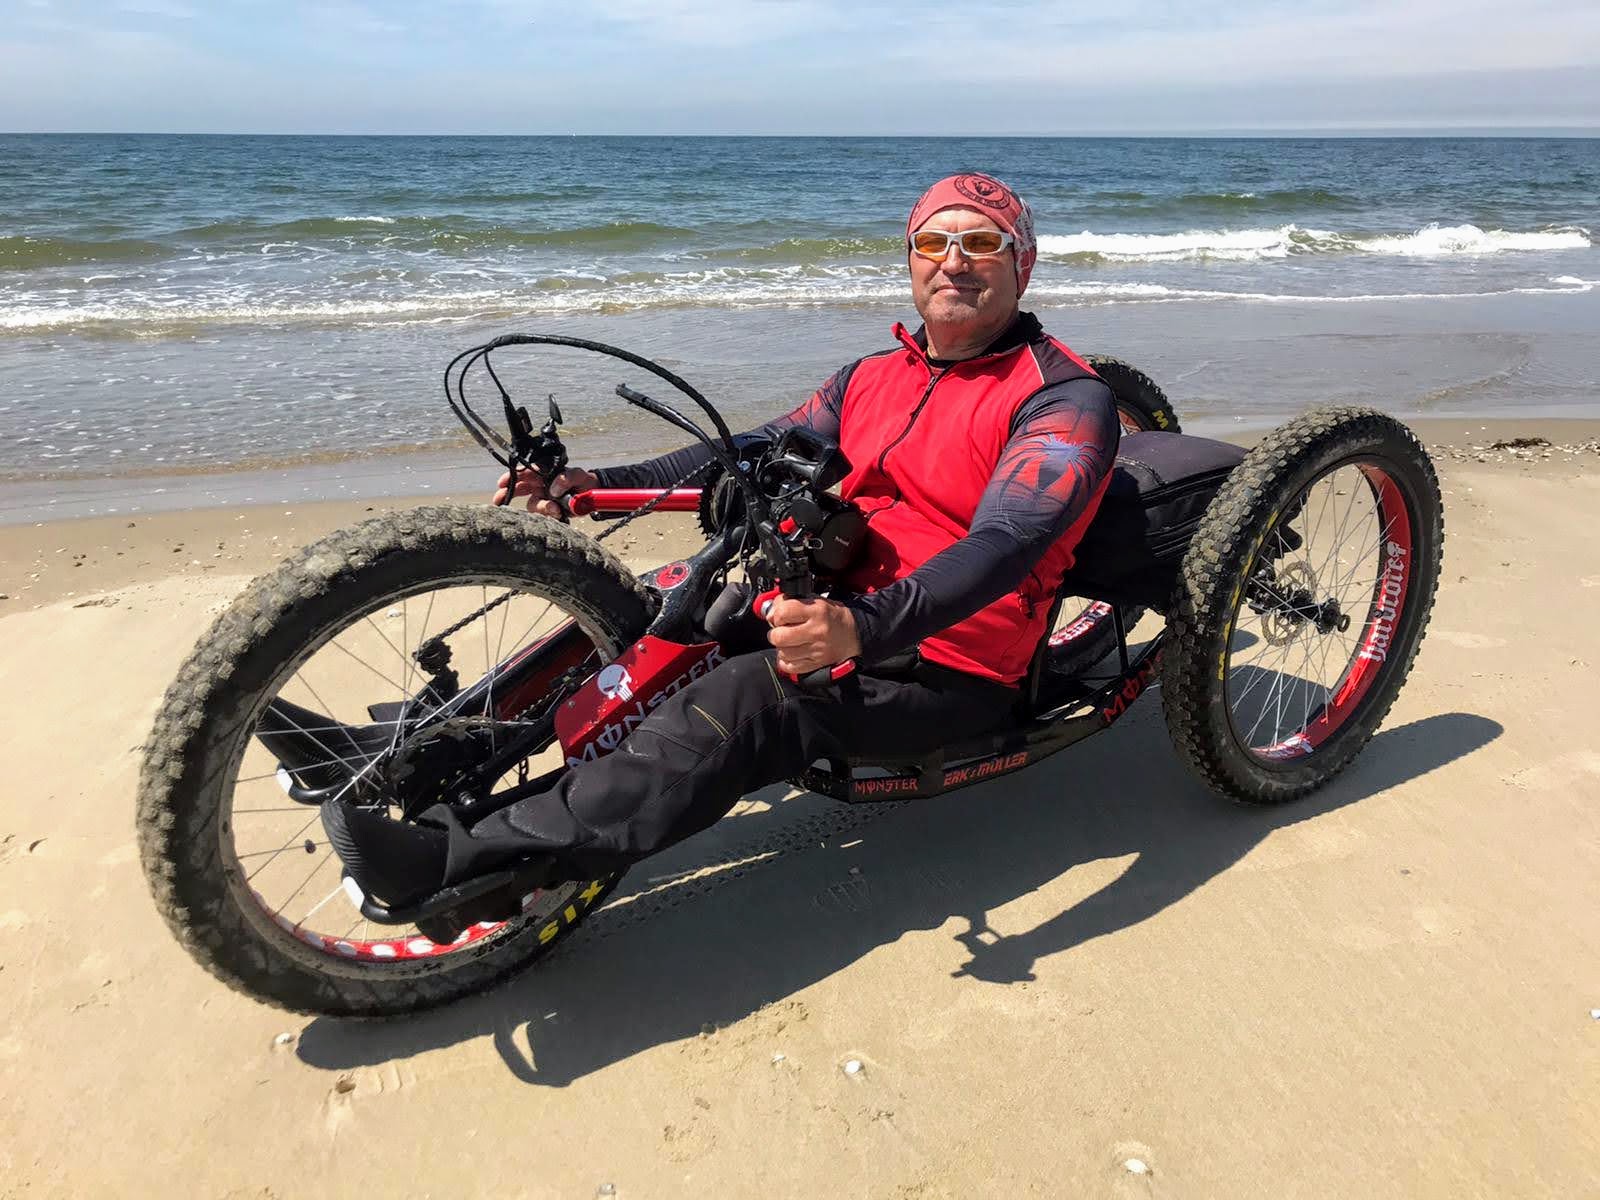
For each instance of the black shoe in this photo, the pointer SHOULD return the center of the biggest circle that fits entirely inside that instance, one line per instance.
(402, 863)
(504, 903)
(395, 862)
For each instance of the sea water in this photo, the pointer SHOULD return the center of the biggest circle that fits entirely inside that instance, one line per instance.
(171, 304)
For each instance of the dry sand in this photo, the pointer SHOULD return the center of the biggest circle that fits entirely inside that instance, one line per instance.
(1383, 990)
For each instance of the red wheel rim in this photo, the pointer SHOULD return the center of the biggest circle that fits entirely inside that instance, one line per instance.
(275, 843)
(1314, 677)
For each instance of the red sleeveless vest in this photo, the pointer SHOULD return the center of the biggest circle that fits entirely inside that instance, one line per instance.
(923, 441)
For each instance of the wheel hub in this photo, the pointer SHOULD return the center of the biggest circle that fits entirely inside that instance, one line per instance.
(1286, 600)
(433, 766)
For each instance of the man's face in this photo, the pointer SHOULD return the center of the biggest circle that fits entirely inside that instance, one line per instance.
(962, 291)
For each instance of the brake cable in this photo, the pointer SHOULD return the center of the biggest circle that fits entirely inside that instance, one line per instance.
(521, 446)
(615, 525)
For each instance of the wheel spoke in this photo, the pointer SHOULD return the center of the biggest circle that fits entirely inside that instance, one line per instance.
(280, 849)
(335, 672)
(363, 662)
(293, 841)
(1281, 687)
(1273, 674)
(327, 749)
(317, 907)
(321, 862)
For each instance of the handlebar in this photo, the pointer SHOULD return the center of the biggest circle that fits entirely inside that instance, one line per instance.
(811, 680)
(602, 502)
(792, 540)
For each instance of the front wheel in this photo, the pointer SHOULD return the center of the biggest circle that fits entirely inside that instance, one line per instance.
(378, 667)
(1301, 603)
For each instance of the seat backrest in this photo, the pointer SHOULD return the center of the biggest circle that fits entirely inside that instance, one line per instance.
(1159, 490)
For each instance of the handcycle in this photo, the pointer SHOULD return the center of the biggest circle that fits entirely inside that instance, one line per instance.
(467, 655)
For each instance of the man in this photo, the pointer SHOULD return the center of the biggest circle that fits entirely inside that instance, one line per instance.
(980, 448)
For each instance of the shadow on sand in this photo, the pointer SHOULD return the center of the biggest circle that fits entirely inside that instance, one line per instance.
(808, 886)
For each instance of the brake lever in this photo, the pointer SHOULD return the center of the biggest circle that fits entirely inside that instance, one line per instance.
(546, 454)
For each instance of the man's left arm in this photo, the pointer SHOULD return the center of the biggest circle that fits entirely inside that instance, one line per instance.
(1052, 469)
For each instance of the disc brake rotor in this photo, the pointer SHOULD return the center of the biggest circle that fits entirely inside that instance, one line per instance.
(1282, 622)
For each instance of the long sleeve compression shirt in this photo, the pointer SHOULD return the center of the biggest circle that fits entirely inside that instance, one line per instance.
(1055, 461)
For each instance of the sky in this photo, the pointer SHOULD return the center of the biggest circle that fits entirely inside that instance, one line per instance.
(834, 67)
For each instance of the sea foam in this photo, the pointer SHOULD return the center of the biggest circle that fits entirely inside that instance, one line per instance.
(1166, 247)
(730, 288)
(1432, 241)
(1435, 240)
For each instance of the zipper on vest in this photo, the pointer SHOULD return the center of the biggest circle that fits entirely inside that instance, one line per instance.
(915, 413)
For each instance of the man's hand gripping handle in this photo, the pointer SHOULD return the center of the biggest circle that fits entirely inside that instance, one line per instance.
(803, 623)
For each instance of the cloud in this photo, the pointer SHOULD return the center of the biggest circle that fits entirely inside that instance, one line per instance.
(350, 20)
(829, 66)
(157, 8)
(706, 24)
(1363, 38)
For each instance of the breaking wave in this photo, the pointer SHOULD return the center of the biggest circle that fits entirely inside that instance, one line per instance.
(1257, 244)
(1469, 239)
(720, 287)
(390, 238)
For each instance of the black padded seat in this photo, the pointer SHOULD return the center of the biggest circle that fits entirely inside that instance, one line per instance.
(1158, 492)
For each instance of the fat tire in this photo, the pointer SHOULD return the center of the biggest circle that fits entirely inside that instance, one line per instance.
(1137, 391)
(199, 736)
(1222, 555)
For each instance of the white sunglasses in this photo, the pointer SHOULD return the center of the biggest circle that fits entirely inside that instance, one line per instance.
(974, 243)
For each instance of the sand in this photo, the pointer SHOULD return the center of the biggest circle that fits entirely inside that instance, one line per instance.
(1388, 989)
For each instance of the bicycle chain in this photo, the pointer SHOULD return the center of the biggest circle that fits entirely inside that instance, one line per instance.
(651, 506)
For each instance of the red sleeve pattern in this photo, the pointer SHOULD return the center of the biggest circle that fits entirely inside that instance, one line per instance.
(1060, 451)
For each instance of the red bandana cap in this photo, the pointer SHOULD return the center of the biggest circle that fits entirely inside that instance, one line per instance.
(987, 195)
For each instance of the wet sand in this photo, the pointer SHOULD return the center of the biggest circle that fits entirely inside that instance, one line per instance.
(1390, 988)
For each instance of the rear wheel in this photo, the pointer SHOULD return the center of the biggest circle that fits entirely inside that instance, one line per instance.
(1141, 404)
(1302, 601)
(348, 675)
(1084, 634)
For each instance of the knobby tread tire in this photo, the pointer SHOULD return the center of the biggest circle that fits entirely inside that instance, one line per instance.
(200, 734)
(1133, 387)
(1219, 558)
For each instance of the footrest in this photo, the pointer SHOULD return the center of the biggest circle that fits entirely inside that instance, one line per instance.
(441, 901)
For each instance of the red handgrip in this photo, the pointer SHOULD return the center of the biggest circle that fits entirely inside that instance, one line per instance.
(627, 500)
(824, 675)
(764, 601)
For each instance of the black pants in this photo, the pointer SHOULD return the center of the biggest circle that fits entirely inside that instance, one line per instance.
(737, 729)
